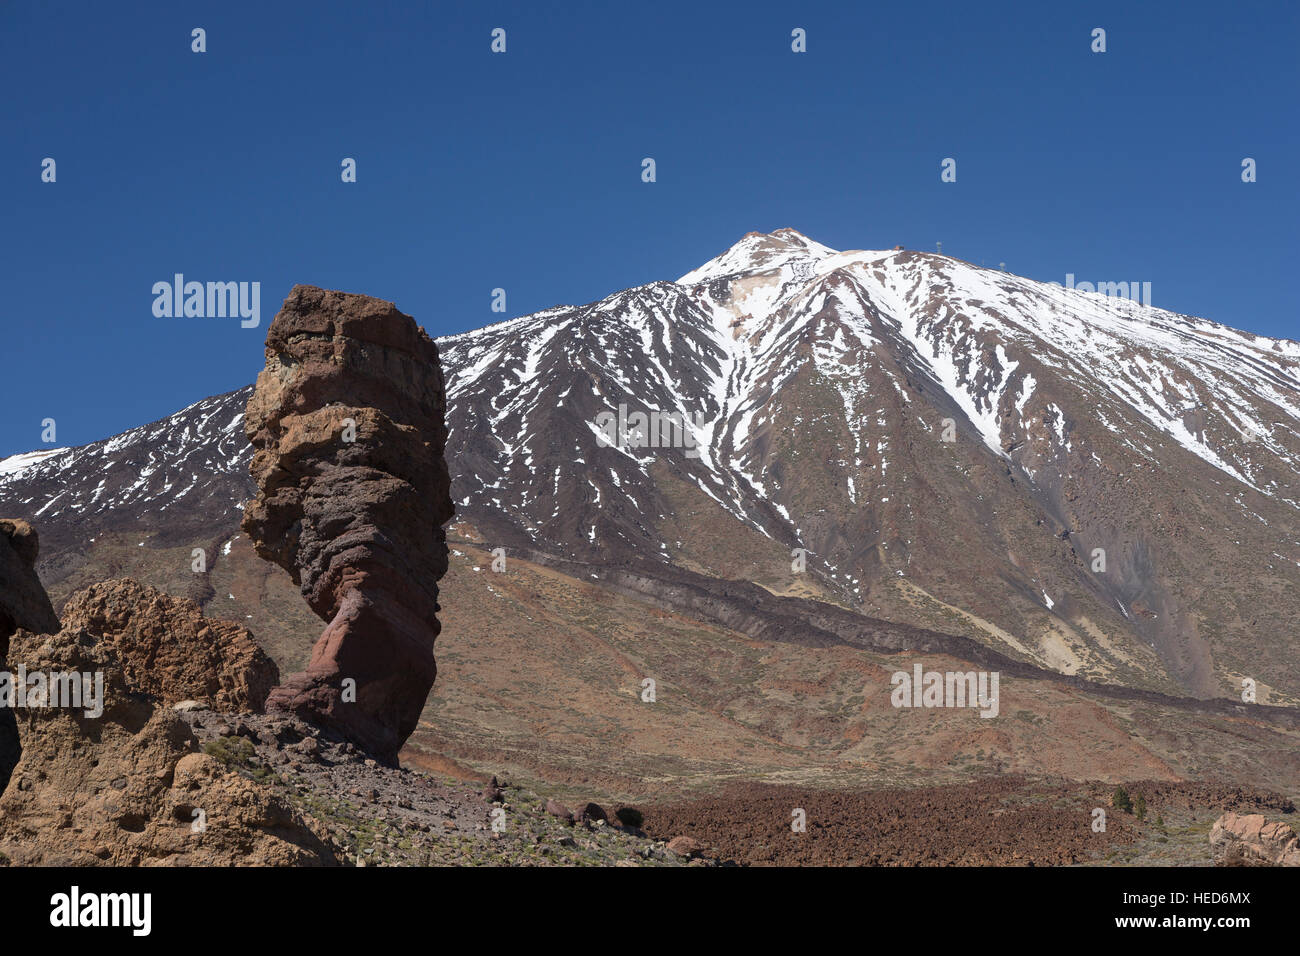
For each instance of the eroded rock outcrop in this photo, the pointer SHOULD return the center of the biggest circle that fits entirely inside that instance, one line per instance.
(23, 603)
(120, 779)
(347, 423)
(1251, 839)
(170, 651)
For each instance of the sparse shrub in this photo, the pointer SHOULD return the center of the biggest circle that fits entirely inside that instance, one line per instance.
(1120, 800)
(231, 751)
(1140, 807)
(238, 753)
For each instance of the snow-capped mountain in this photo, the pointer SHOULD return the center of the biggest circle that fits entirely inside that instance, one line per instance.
(727, 337)
(1078, 481)
(819, 388)
(175, 476)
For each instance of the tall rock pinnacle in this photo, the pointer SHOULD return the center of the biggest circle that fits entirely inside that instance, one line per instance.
(347, 426)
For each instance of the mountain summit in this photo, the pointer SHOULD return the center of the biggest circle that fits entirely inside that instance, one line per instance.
(757, 251)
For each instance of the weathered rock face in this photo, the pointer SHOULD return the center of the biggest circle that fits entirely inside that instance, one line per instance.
(121, 787)
(170, 651)
(1250, 839)
(23, 603)
(347, 424)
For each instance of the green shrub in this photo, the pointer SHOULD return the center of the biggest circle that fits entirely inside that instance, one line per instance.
(1120, 801)
(239, 754)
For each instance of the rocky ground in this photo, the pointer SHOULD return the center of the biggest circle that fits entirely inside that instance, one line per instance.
(373, 815)
(995, 821)
(369, 814)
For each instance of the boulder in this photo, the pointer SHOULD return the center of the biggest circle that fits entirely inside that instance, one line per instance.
(170, 651)
(557, 809)
(685, 846)
(1251, 839)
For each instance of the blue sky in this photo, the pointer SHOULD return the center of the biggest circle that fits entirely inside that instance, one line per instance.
(523, 170)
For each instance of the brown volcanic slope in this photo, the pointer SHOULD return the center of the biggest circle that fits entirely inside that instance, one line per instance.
(823, 431)
(544, 671)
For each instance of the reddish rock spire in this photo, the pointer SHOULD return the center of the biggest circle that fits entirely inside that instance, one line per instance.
(347, 426)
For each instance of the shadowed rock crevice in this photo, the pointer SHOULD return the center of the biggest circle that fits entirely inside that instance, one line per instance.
(347, 425)
(23, 603)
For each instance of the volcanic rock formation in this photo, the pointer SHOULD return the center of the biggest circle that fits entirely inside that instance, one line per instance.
(1251, 839)
(170, 650)
(23, 603)
(124, 783)
(347, 423)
